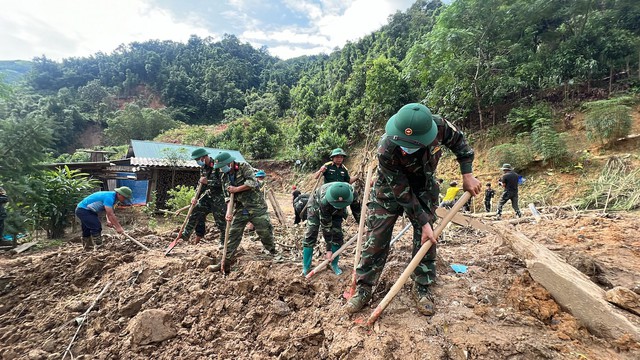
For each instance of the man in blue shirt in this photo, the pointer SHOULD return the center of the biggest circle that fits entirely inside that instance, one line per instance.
(89, 208)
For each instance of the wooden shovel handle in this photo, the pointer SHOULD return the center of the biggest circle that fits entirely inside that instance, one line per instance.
(230, 207)
(416, 260)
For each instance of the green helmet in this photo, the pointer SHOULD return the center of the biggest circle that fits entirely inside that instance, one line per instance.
(337, 151)
(222, 159)
(124, 191)
(339, 195)
(198, 153)
(412, 126)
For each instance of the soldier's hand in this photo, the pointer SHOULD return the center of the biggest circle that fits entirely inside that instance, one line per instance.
(323, 168)
(203, 180)
(228, 217)
(471, 184)
(193, 201)
(427, 234)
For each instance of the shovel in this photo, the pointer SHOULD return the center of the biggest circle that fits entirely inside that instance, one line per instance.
(230, 207)
(175, 242)
(416, 260)
(363, 216)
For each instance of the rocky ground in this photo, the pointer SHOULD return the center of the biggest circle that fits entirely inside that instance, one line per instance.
(158, 307)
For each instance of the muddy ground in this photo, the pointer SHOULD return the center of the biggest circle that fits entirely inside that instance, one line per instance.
(265, 309)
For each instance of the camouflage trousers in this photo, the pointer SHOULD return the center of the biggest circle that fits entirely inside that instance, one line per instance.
(380, 222)
(333, 235)
(262, 224)
(506, 196)
(213, 204)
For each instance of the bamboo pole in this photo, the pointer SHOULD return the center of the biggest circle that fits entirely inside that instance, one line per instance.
(83, 319)
(416, 260)
(227, 230)
(276, 207)
(175, 242)
(323, 264)
(363, 216)
(315, 186)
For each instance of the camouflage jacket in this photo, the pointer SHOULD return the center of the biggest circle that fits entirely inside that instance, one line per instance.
(408, 180)
(250, 200)
(214, 181)
(320, 207)
(335, 173)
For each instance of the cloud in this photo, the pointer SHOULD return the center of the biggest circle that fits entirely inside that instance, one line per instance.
(60, 29)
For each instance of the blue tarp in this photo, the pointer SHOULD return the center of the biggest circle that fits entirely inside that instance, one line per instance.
(139, 188)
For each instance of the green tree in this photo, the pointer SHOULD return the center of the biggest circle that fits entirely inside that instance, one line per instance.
(136, 123)
(59, 191)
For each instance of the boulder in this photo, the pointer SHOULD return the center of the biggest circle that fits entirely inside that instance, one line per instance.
(151, 326)
(624, 298)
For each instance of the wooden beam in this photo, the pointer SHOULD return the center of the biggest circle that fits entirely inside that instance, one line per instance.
(24, 247)
(570, 288)
(463, 220)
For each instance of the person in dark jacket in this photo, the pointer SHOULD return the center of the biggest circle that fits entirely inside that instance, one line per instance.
(510, 183)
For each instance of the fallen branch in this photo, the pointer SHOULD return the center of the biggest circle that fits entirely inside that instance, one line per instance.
(83, 319)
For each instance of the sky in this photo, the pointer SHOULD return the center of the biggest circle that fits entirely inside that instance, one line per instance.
(288, 28)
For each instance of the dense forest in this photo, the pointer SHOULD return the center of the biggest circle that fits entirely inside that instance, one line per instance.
(477, 62)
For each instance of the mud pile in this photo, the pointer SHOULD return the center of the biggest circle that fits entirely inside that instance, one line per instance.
(173, 307)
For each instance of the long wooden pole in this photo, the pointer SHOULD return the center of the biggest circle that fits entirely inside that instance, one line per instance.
(175, 242)
(416, 260)
(363, 216)
(136, 242)
(230, 207)
(323, 264)
(83, 317)
(315, 186)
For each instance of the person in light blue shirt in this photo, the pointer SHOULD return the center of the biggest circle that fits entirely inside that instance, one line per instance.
(89, 208)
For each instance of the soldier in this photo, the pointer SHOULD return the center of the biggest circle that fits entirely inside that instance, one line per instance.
(260, 175)
(326, 209)
(4, 199)
(295, 193)
(211, 199)
(510, 183)
(89, 208)
(239, 179)
(334, 170)
(489, 193)
(408, 155)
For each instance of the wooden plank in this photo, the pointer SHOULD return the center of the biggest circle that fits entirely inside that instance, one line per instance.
(570, 288)
(24, 247)
(463, 220)
(276, 207)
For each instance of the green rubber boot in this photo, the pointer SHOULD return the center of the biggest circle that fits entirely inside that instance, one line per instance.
(307, 256)
(334, 264)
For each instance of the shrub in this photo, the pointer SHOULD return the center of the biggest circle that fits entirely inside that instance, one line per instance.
(523, 118)
(605, 125)
(518, 155)
(180, 196)
(318, 152)
(548, 143)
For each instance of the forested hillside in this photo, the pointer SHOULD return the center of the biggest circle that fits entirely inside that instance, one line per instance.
(477, 62)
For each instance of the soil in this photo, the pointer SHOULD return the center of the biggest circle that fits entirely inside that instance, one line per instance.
(266, 309)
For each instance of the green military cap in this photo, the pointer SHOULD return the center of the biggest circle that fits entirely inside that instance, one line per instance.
(337, 151)
(506, 167)
(198, 153)
(412, 126)
(222, 159)
(339, 195)
(124, 191)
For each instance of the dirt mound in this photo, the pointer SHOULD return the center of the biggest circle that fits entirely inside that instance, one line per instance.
(265, 309)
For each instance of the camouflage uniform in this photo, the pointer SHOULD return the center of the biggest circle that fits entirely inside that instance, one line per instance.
(341, 173)
(212, 201)
(406, 183)
(322, 214)
(249, 207)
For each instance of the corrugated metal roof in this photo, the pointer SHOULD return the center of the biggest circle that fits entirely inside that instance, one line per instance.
(153, 150)
(142, 161)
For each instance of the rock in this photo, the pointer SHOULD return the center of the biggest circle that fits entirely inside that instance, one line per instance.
(151, 326)
(280, 308)
(205, 262)
(624, 298)
(37, 354)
